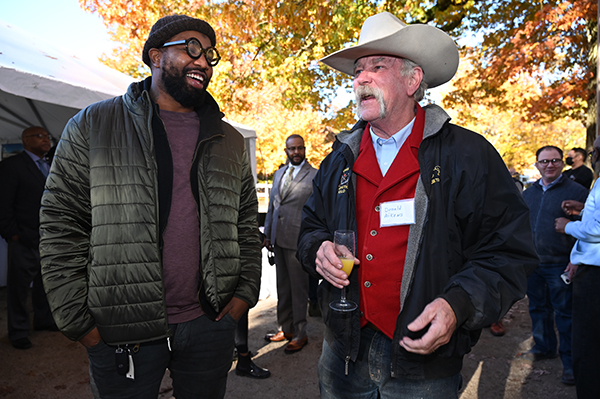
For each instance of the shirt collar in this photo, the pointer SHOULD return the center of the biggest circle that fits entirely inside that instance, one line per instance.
(32, 155)
(398, 138)
(550, 184)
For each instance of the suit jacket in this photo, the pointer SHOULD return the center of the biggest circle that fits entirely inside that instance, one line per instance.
(21, 189)
(282, 224)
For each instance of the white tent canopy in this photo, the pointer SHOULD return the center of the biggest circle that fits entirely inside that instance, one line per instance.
(43, 86)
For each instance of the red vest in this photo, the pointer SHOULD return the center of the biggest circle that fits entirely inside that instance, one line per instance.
(382, 250)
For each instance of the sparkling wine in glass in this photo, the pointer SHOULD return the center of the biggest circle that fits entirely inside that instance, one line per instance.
(344, 242)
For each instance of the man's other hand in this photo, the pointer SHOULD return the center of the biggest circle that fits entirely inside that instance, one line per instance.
(443, 322)
(572, 207)
(560, 223)
(92, 338)
(236, 308)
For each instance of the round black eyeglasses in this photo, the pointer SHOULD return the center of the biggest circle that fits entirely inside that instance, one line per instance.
(195, 50)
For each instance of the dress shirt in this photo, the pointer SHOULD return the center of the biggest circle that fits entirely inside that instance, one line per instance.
(386, 150)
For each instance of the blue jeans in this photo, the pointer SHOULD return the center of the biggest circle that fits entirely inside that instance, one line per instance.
(199, 360)
(550, 301)
(370, 376)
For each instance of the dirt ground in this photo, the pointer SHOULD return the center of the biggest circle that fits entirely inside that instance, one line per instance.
(58, 368)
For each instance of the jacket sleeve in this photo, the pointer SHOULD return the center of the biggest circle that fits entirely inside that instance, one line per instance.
(65, 226)
(8, 194)
(269, 217)
(249, 239)
(496, 242)
(587, 229)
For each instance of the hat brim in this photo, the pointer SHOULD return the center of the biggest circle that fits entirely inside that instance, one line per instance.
(431, 48)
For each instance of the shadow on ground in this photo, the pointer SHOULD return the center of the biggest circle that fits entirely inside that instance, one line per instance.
(57, 368)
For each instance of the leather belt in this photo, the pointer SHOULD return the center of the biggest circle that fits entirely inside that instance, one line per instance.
(372, 326)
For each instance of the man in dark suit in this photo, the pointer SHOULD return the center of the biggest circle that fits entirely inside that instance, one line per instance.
(292, 185)
(22, 180)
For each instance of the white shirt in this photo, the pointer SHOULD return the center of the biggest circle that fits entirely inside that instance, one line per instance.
(295, 173)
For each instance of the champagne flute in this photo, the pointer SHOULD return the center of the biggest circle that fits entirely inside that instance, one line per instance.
(344, 243)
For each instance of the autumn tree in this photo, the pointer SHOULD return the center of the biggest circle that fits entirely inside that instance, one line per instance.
(552, 41)
(516, 137)
(264, 42)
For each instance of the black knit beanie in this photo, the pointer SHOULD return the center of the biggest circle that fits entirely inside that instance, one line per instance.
(167, 27)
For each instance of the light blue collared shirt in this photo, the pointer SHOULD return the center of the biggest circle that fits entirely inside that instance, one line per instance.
(545, 188)
(36, 159)
(386, 150)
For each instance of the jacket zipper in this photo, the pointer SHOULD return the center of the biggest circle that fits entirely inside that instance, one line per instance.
(159, 233)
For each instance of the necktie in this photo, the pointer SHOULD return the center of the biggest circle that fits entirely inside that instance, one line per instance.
(288, 180)
(43, 165)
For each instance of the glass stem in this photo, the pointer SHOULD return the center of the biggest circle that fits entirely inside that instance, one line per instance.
(343, 298)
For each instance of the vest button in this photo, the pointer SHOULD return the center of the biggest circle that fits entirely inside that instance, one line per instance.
(377, 208)
(369, 257)
(367, 284)
(373, 233)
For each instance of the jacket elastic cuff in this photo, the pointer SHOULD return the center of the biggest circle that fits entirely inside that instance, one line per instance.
(461, 304)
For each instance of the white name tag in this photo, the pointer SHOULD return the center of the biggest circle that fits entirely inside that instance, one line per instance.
(397, 213)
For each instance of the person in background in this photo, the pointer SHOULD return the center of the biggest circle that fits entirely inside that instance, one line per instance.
(579, 172)
(22, 179)
(549, 296)
(292, 185)
(444, 244)
(149, 238)
(245, 365)
(584, 271)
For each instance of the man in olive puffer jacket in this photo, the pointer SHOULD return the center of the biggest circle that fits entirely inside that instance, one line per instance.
(149, 241)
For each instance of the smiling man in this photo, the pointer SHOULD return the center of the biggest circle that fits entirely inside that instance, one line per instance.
(550, 299)
(429, 278)
(150, 247)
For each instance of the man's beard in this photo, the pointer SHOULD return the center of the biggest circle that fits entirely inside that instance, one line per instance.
(177, 87)
(295, 163)
(362, 91)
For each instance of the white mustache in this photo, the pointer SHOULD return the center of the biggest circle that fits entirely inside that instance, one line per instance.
(364, 91)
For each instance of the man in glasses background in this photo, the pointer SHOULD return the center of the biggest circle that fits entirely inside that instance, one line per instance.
(550, 298)
(22, 179)
(150, 245)
(292, 185)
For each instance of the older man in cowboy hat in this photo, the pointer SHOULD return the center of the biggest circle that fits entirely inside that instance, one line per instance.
(444, 244)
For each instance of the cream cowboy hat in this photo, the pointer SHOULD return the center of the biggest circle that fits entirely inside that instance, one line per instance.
(384, 34)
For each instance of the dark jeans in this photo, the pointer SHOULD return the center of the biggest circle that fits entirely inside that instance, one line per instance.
(23, 269)
(586, 329)
(199, 361)
(370, 376)
(550, 301)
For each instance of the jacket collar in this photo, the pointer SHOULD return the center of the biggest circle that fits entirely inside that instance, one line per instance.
(138, 94)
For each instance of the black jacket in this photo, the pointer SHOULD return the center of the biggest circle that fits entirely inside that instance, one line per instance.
(21, 189)
(471, 243)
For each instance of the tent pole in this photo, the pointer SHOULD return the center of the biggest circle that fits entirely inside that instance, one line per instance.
(38, 116)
